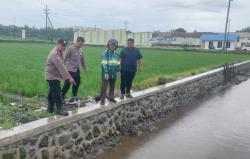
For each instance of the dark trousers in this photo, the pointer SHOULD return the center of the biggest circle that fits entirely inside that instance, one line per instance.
(76, 76)
(105, 83)
(126, 81)
(54, 98)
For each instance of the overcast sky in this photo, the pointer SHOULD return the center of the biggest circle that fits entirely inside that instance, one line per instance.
(142, 15)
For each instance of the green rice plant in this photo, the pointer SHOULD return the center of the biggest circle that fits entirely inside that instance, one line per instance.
(22, 67)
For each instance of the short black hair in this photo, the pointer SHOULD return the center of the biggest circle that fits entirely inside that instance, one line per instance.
(131, 39)
(63, 42)
(80, 39)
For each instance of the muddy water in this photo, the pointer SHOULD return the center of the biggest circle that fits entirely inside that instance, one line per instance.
(217, 127)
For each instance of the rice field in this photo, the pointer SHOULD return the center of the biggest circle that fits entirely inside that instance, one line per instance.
(22, 67)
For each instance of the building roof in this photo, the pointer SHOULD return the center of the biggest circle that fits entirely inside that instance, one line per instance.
(243, 34)
(182, 34)
(218, 37)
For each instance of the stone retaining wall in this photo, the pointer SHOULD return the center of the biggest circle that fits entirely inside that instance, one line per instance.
(82, 134)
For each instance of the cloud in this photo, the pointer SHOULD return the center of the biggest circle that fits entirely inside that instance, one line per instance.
(142, 15)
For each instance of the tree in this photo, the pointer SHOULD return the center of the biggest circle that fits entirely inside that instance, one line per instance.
(182, 30)
(36, 33)
(156, 34)
(247, 29)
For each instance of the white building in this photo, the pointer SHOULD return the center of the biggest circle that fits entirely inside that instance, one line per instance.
(141, 38)
(177, 39)
(100, 36)
(215, 41)
(244, 38)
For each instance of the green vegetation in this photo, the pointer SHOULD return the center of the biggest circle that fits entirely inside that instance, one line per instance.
(14, 112)
(246, 29)
(22, 67)
(22, 73)
(12, 32)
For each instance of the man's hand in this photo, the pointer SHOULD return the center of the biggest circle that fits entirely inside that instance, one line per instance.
(119, 74)
(140, 69)
(140, 63)
(72, 81)
(106, 76)
(86, 72)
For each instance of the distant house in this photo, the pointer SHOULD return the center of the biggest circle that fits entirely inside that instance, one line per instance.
(215, 41)
(244, 39)
(177, 39)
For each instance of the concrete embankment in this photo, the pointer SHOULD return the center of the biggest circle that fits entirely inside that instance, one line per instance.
(91, 128)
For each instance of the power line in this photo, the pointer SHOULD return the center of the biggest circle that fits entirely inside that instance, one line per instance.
(48, 23)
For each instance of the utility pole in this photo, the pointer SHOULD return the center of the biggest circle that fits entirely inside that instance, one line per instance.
(48, 24)
(225, 33)
(14, 29)
(46, 11)
(229, 22)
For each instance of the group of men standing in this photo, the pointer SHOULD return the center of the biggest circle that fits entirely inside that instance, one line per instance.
(113, 65)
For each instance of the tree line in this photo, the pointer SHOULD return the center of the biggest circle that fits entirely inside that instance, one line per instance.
(15, 32)
(247, 29)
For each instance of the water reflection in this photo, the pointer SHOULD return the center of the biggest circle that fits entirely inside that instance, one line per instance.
(215, 128)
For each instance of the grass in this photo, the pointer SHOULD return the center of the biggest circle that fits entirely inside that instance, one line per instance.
(13, 112)
(22, 73)
(22, 67)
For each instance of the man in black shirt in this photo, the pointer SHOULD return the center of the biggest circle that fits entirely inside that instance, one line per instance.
(130, 57)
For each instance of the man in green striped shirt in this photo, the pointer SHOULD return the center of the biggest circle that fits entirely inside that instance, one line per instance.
(110, 64)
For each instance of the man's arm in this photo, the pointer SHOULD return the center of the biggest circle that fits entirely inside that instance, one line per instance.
(83, 63)
(58, 62)
(67, 55)
(118, 66)
(139, 61)
(140, 64)
(121, 56)
(118, 70)
(104, 64)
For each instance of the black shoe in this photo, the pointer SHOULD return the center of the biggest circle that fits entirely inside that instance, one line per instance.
(63, 100)
(122, 96)
(112, 100)
(50, 111)
(129, 96)
(74, 100)
(102, 103)
(97, 98)
(62, 112)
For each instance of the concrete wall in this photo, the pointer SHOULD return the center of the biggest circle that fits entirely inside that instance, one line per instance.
(100, 36)
(142, 39)
(89, 128)
(205, 45)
